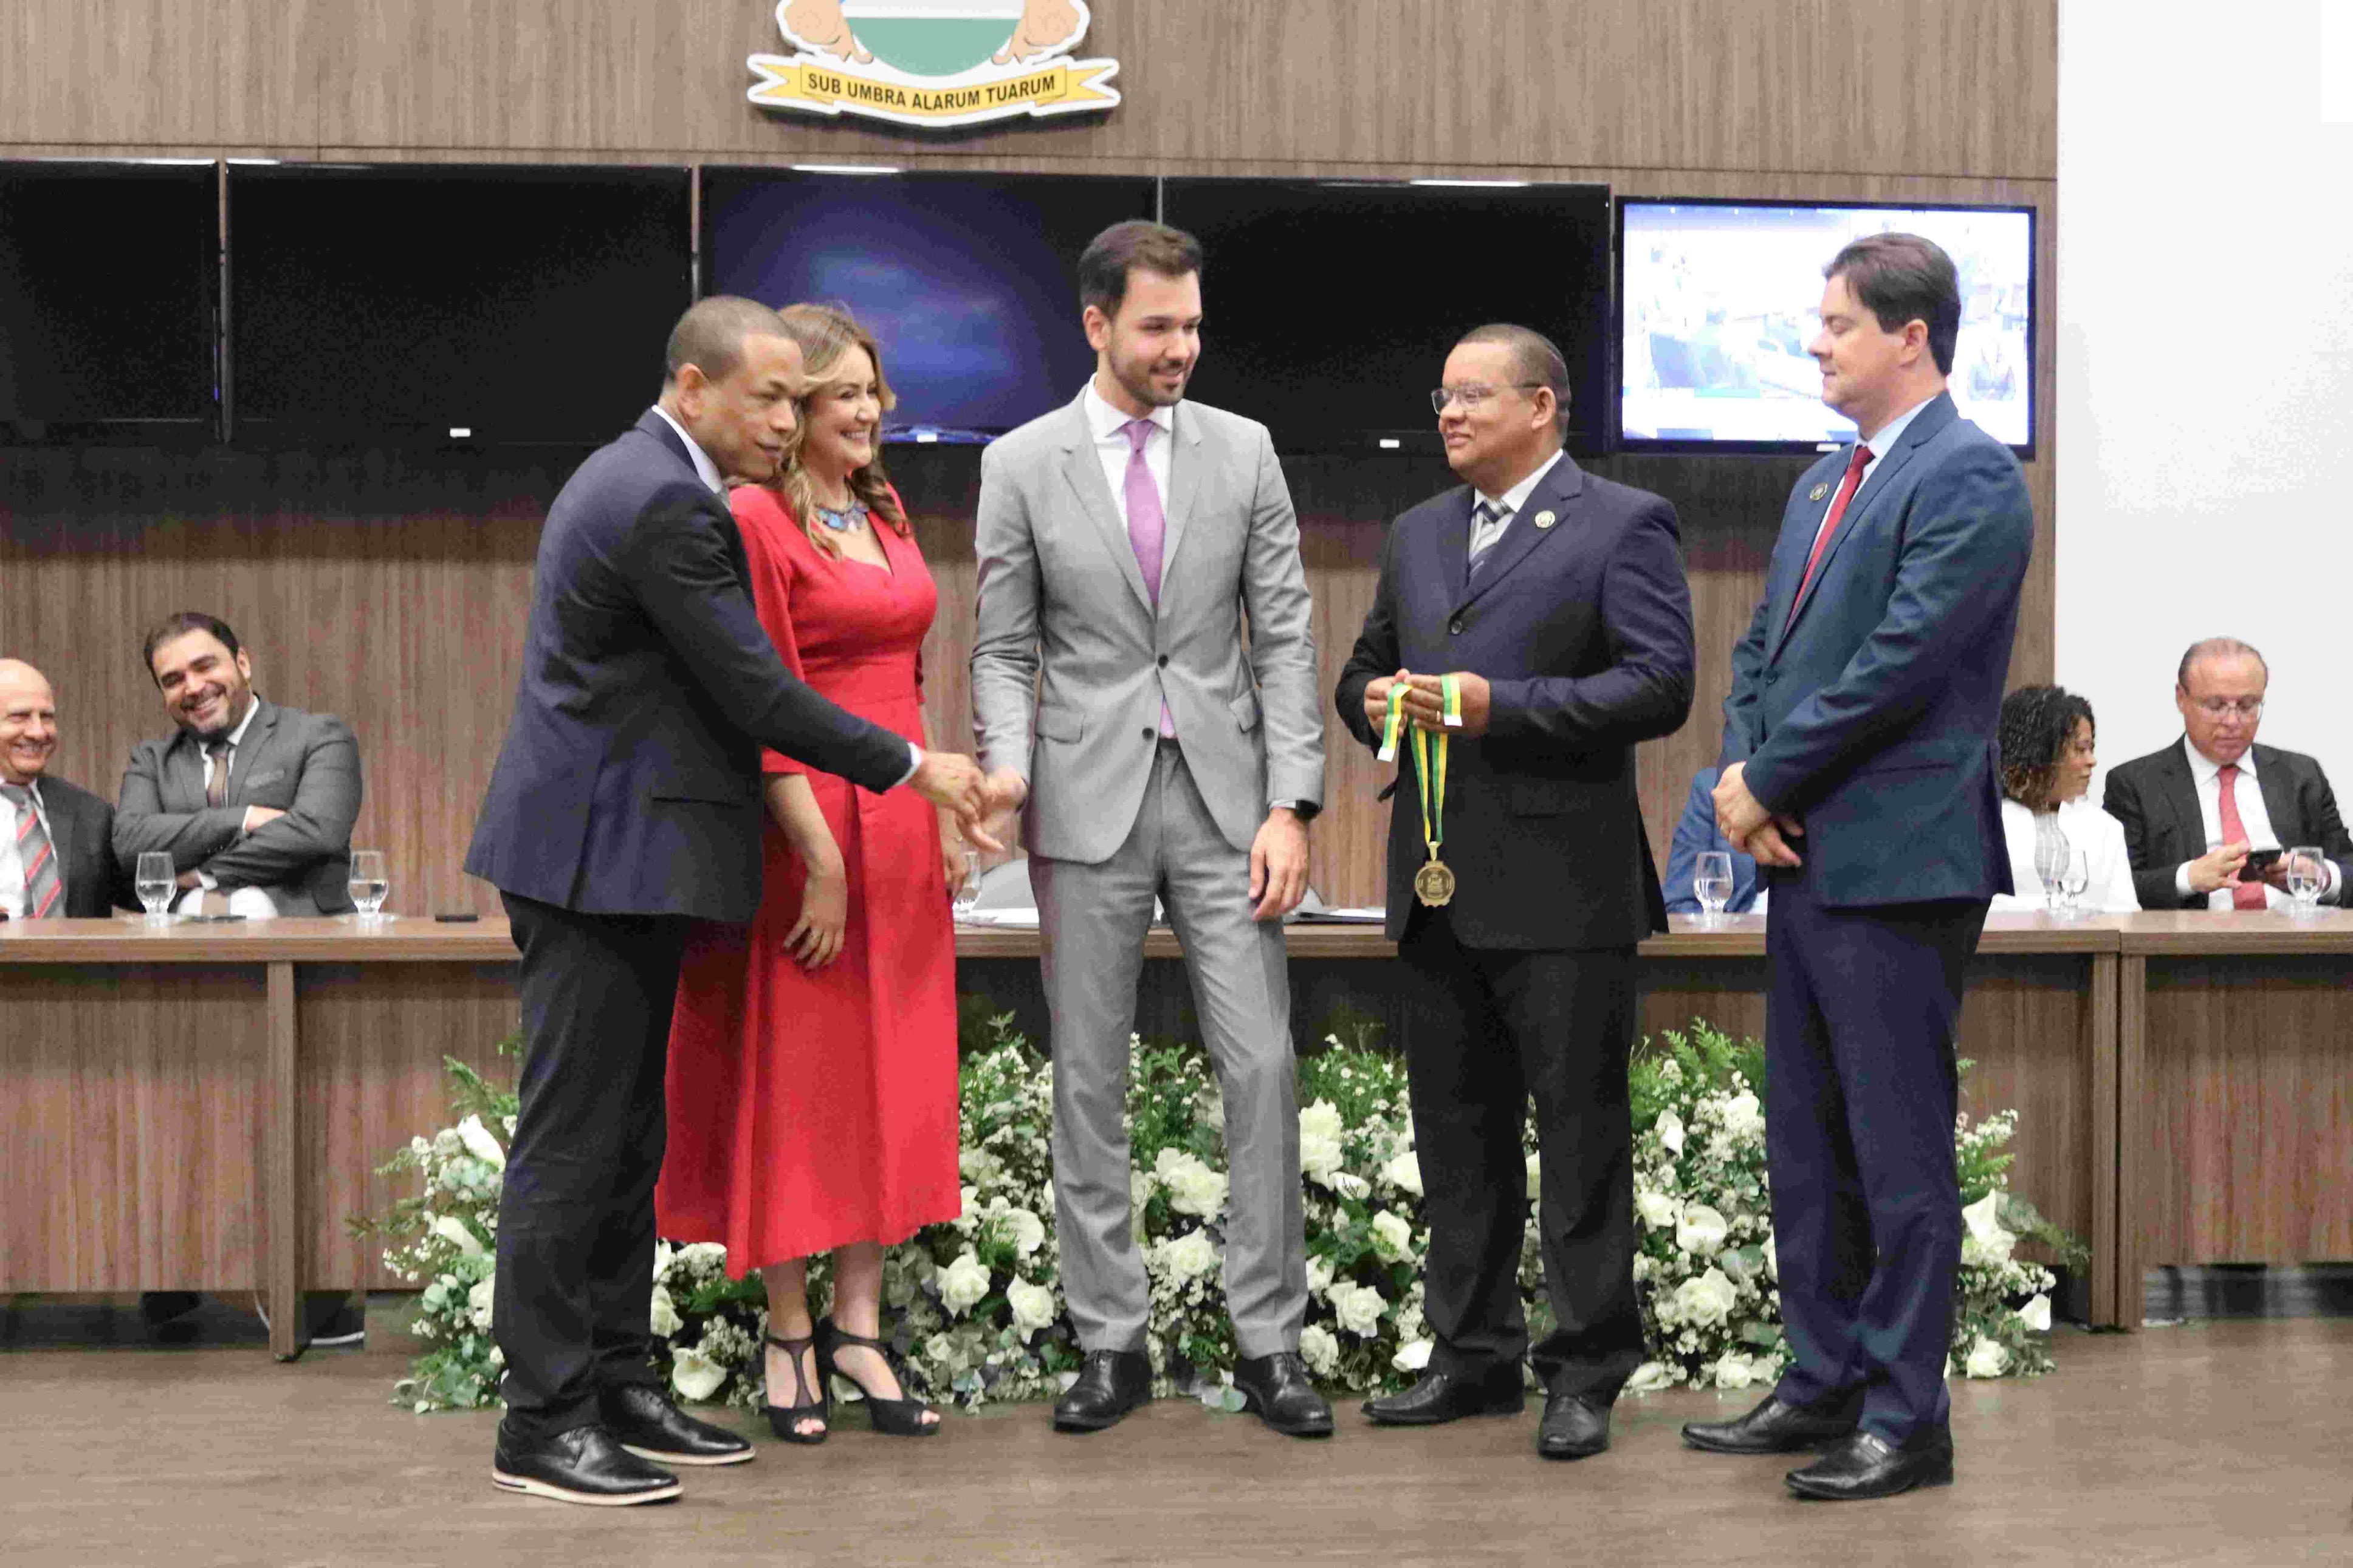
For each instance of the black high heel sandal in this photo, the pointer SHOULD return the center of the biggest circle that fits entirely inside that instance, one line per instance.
(784, 1419)
(902, 1417)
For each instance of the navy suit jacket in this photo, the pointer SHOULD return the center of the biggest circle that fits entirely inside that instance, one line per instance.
(2155, 797)
(629, 783)
(1695, 834)
(1583, 630)
(1871, 718)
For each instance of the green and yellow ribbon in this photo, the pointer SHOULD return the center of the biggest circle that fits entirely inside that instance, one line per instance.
(1432, 769)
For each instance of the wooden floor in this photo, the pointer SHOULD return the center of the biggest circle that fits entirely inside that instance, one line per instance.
(2219, 1442)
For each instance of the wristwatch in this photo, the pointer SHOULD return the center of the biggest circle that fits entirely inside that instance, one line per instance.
(1305, 810)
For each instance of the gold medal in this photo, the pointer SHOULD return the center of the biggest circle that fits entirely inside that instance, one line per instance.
(1434, 884)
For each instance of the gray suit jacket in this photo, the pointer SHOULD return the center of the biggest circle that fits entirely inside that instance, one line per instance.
(305, 764)
(1069, 663)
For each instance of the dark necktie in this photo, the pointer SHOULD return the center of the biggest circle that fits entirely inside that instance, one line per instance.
(1486, 530)
(1855, 463)
(43, 889)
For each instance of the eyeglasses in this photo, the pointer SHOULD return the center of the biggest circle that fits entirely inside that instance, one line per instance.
(2245, 707)
(1469, 396)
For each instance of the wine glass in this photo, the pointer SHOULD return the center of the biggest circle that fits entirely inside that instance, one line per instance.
(2074, 876)
(155, 883)
(2051, 852)
(2307, 873)
(967, 897)
(1712, 882)
(369, 884)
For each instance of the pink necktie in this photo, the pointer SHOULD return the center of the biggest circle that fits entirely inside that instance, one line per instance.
(1147, 527)
(2243, 895)
(1847, 487)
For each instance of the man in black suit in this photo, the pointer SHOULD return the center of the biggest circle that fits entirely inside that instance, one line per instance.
(57, 855)
(624, 806)
(1860, 768)
(1558, 601)
(2190, 818)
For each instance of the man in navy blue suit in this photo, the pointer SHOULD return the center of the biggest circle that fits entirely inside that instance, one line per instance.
(1557, 601)
(1860, 769)
(625, 806)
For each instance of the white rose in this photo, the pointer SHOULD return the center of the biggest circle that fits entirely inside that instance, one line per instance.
(1987, 1243)
(963, 1283)
(1536, 1179)
(1650, 1377)
(1033, 1307)
(695, 1376)
(1190, 1255)
(1404, 1173)
(1320, 1349)
(1700, 1230)
(703, 1257)
(1707, 1300)
(1671, 1131)
(1321, 1120)
(665, 1319)
(1029, 1231)
(1347, 1183)
(1357, 1309)
(457, 1233)
(480, 1145)
(1656, 1209)
(1412, 1357)
(478, 1301)
(977, 1166)
(1744, 1116)
(2036, 1314)
(1195, 1189)
(1987, 1358)
(1319, 1140)
(1319, 1275)
(1392, 1236)
(1734, 1371)
(971, 1197)
(663, 1255)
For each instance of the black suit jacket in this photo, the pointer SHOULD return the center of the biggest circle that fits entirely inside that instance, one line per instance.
(2155, 797)
(1583, 630)
(82, 836)
(629, 783)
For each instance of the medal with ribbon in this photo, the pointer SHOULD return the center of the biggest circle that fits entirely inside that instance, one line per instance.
(1433, 884)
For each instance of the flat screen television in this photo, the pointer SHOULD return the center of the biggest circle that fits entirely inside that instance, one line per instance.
(110, 298)
(969, 282)
(1718, 299)
(478, 305)
(1329, 307)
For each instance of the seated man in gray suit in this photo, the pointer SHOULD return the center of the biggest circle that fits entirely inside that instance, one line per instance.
(253, 802)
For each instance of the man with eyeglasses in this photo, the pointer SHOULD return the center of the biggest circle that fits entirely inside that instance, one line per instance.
(1553, 603)
(2196, 811)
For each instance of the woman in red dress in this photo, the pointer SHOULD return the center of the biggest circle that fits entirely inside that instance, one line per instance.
(813, 1066)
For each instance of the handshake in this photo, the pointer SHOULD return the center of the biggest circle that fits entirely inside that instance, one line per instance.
(982, 802)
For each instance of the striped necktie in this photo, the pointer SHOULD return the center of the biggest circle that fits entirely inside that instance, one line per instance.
(1487, 529)
(44, 891)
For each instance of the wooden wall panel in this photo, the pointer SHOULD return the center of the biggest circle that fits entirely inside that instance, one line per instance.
(158, 76)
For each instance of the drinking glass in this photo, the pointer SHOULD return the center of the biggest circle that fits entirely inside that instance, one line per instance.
(2051, 865)
(1712, 882)
(967, 897)
(370, 882)
(2307, 873)
(154, 884)
(2074, 876)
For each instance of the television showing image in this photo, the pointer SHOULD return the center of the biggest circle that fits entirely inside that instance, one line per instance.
(969, 282)
(1718, 302)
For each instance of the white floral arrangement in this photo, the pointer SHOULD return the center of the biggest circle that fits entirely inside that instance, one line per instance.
(975, 1304)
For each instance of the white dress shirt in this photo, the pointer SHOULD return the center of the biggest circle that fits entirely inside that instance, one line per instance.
(11, 864)
(1485, 536)
(1109, 426)
(2100, 837)
(2253, 816)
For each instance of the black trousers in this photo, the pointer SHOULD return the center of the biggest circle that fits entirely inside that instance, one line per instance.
(573, 1296)
(1486, 1031)
(1860, 1088)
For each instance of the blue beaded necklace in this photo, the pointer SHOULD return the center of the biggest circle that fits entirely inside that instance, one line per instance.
(842, 522)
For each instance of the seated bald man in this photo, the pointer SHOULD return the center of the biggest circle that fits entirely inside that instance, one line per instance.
(57, 855)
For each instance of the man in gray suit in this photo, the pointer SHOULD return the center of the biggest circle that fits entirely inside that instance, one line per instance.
(1123, 540)
(253, 801)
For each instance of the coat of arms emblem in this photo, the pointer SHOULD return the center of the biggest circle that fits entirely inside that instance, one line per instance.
(932, 63)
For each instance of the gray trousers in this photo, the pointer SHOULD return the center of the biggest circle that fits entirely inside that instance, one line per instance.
(1092, 919)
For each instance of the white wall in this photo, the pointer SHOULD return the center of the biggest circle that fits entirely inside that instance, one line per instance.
(2205, 369)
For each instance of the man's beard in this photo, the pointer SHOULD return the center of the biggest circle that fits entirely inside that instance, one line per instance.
(1136, 376)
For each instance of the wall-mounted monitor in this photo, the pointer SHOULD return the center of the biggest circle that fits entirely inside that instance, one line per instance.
(109, 299)
(477, 305)
(1718, 300)
(1329, 306)
(969, 282)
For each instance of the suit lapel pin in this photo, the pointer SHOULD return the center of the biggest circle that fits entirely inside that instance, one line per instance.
(1818, 492)
(1546, 520)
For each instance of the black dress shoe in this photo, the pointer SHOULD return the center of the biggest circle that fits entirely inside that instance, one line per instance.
(1868, 1466)
(1774, 1427)
(643, 1420)
(584, 1465)
(1441, 1396)
(1277, 1387)
(1575, 1427)
(1111, 1384)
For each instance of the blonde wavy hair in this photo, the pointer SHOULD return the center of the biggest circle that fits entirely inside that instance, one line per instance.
(826, 334)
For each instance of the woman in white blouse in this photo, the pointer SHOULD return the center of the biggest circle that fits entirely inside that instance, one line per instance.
(2047, 762)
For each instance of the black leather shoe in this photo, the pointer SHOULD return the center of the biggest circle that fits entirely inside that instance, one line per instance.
(1575, 1427)
(1867, 1466)
(1441, 1396)
(1111, 1384)
(643, 1420)
(1774, 1427)
(1277, 1387)
(584, 1465)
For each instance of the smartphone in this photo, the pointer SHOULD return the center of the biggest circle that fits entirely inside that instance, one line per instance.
(2258, 862)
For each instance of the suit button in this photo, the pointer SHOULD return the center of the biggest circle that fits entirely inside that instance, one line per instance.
(1164, 661)
(1454, 626)
(1151, 734)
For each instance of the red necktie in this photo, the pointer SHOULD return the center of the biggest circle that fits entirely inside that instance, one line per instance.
(2243, 895)
(1847, 487)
